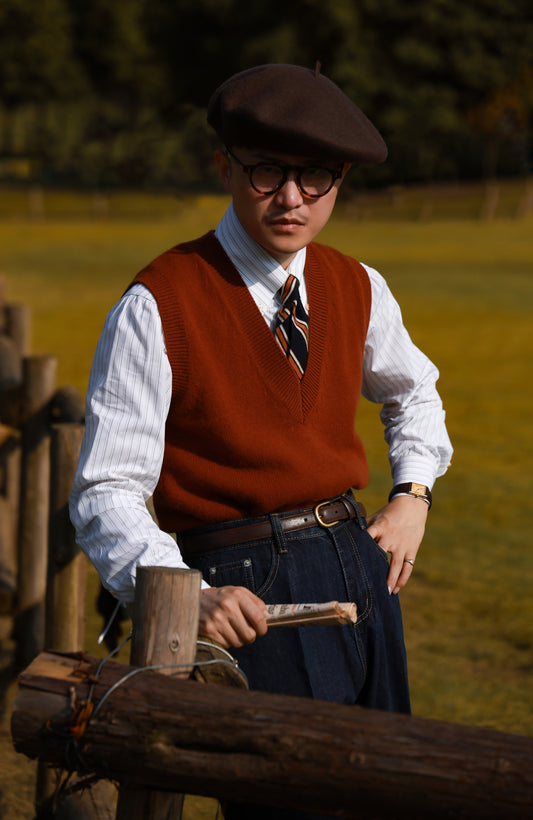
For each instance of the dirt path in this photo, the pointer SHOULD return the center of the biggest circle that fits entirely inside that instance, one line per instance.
(17, 772)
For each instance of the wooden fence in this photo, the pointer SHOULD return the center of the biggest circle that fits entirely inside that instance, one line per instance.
(484, 200)
(154, 733)
(41, 570)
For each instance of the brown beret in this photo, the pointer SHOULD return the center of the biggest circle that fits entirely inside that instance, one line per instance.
(293, 109)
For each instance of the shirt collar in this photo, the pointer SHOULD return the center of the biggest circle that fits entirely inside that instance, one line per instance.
(251, 260)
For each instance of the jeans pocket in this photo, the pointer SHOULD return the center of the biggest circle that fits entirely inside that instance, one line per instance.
(237, 573)
(381, 552)
(253, 566)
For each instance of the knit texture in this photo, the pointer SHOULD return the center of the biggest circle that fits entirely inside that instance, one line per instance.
(245, 436)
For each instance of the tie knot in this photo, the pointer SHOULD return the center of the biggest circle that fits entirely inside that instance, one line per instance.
(289, 291)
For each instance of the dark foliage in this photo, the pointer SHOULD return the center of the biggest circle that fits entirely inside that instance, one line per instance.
(104, 93)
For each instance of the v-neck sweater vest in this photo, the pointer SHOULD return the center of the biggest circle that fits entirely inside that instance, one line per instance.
(244, 436)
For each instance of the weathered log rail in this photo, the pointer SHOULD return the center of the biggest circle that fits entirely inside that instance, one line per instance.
(157, 732)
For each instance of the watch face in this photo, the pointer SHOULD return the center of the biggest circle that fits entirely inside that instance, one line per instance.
(419, 489)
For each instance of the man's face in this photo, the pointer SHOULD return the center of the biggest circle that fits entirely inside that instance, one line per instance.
(282, 222)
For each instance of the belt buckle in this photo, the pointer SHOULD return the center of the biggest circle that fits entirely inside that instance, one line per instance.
(319, 518)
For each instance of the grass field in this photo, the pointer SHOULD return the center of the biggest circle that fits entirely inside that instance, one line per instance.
(466, 289)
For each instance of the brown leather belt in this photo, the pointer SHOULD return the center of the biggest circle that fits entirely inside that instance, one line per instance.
(326, 514)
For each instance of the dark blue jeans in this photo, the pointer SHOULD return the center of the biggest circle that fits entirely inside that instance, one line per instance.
(363, 663)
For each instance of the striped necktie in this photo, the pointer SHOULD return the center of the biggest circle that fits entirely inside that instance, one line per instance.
(292, 329)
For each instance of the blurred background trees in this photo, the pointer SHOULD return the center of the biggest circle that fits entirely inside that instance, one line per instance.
(113, 92)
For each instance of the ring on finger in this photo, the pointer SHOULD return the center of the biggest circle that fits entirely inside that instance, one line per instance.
(409, 561)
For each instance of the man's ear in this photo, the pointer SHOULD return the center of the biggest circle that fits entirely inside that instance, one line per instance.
(224, 169)
(345, 168)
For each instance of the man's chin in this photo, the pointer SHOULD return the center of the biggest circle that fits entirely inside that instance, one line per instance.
(283, 251)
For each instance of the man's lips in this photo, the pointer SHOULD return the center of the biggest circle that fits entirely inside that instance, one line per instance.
(288, 222)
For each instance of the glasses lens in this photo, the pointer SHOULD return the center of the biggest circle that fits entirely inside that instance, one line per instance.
(316, 181)
(266, 178)
(313, 181)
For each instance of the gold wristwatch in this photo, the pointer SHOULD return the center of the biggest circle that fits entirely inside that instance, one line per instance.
(414, 489)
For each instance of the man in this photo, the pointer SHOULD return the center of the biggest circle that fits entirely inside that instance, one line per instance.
(226, 382)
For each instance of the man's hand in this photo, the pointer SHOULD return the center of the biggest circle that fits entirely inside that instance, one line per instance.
(398, 528)
(231, 616)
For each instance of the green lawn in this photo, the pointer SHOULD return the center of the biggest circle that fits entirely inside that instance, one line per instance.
(466, 289)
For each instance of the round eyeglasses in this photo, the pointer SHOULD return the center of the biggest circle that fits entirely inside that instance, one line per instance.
(268, 177)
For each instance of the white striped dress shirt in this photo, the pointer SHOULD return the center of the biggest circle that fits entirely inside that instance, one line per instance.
(261, 273)
(129, 396)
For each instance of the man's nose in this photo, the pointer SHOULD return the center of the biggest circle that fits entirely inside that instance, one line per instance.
(289, 195)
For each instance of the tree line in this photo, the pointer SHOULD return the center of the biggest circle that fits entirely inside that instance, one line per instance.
(105, 93)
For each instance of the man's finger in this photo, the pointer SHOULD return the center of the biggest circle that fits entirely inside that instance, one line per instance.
(400, 577)
(232, 615)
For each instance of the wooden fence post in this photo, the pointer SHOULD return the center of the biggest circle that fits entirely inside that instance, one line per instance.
(10, 378)
(65, 603)
(165, 630)
(65, 589)
(490, 201)
(10, 462)
(9, 517)
(18, 327)
(38, 388)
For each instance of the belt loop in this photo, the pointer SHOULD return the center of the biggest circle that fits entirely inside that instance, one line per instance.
(350, 498)
(278, 536)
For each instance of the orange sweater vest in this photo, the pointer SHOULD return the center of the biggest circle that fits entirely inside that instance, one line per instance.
(244, 435)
